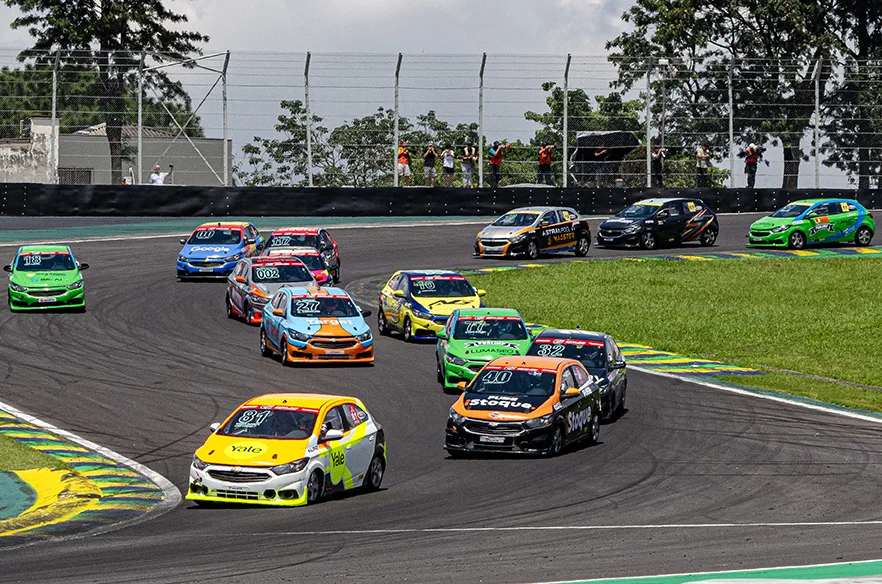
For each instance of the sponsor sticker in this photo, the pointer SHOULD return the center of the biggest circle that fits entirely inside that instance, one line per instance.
(245, 450)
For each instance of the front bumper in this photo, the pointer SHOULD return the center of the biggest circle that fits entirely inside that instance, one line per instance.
(500, 248)
(454, 374)
(424, 329)
(757, 238)
(205, 268)
(47, 299)
(618, 238)
(287, 490)
(484, 436)
(326, 350)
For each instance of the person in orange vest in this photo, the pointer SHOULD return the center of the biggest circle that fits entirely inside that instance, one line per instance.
(544, 172)
(404, 162)
(497, 152)
(751, 158)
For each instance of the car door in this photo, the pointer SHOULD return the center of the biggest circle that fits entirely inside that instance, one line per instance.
(545, 229)
(362, 442)
(271, 322)
(571, 406)
(336, 472)
(392, 304)
(326, 247)
(590, 402)
(618, 373)
(612, 373)
(441, 348)
(671, 221)
(239, 290)
(330, 240)
(822, 226)
(843, 218)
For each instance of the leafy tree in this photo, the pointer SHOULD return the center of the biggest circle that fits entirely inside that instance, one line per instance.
(109, 36)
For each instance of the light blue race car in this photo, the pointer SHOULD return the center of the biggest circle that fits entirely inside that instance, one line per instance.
(213, 249)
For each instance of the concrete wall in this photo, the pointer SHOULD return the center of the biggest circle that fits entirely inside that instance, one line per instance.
(27, 160)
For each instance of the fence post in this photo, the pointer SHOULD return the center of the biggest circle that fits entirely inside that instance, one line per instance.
(481, 121)
(308, 120)
(648, 114)
(817, 121)
(140, 121)
(53, 166)
(226, 140)
(395, 138)
(731, 127)
(566, 116)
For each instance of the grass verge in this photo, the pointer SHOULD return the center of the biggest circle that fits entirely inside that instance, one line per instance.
(820, 317)
(16, 456)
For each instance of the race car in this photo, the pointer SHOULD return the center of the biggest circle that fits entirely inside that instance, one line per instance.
(316, 238)
(309, 325)
(531, 231)
(812, 222)
(654, 222)
(598, 353)
(311, 257)
(525, 405)
(472, 337)
(418, 302)
(289, 449)
(255, 280)
(214, 248)
(45, 277)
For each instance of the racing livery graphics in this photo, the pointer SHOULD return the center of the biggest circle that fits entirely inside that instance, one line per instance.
(418, 303)
(45, 277)
(532, 231)
(310, 325)
(473, 337)
(525, 405)
(289, 449)
(255, 280)
(214, 248)
(317, 238)
(311, 257)
(654, 222)
(812, 222)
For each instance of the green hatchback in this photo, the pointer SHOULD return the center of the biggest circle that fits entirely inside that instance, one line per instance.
(812, 222)
(44, 277)
(473, 337)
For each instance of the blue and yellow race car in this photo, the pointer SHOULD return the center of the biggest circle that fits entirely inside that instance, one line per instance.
(213, 249)
(418, 302)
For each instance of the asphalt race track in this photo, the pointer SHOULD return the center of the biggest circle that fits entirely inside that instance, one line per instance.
(690, 479)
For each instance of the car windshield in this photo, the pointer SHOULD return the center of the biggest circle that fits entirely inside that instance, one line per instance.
(514, 381)
(516, 220)
(589, 352)
(441, 286)
(45, 262)
(270, 274)
(638, 210)
(227, 236)
(490, 328)
(314, 307)
(791, 211)
(271, 422)
(293, 240)
(313, 262)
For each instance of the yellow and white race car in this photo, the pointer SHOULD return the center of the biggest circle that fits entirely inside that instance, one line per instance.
(289, 449)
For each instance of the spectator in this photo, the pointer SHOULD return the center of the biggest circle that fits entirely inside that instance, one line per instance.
(404, 162)
(702, 156)
(429, 157)
(594, 168)
(469, 157)
(658, 167)
(545, 151)
(497, 152)
(447, 160)
(158, 178)
(751, 158)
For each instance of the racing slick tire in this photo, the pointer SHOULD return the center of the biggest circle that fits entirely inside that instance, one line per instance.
(315, 487)
(283, 347)
(583, 244)
(374, 476)
(336, 275)
(648, 241)
(708, 238)
(863, 237)
(557, 440)
(796, 240)
(265, 351)
(620, 408)
(532, 249)
(382, 326)
(407, 330)
(594, 436)
(230, 313)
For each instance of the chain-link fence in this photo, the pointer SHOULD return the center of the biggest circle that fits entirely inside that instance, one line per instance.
(278, 119)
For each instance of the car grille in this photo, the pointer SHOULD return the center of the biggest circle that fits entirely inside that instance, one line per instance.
(333, 344)
(760, 233)
(45, 293)
(475, 367)
(243, 495)
(498, 430)
(493, 242)
(206, 263)
(610, 233)
(240, 476)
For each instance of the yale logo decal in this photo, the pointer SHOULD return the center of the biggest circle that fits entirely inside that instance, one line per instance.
(338, 458)
(244, 450)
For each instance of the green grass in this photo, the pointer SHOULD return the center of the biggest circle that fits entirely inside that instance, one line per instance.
(820, 317)
(17, 456)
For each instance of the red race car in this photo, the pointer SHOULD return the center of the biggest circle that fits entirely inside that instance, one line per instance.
(314, 237)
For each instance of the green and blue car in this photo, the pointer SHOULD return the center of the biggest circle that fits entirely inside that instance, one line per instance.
(44, 277)
(813, 222)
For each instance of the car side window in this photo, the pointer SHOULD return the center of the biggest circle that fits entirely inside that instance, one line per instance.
(549, 218)
(567, 380)
(610, 353)
(240, 269)
(354, 415)
(617, 353)
(334, 420)
(834, 209)
(393, 282)
(580, 374)
(819, 210)
(672, 209)
(278, 301)
(402, 284)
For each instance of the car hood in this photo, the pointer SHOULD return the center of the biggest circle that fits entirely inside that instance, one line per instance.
(199, 251)
(491, 232)
(621, 222)
(330, 326)
(478, 350)
(45, 279)
(242, 451)
(270, 288)
(767, 223)
(503, 407)
(445, 306)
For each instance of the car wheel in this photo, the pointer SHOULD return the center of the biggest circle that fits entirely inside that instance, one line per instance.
(408, 330)
(709, 237)
(620, 409)
(382, 327)
(249, 312)
(533, 250)
(582, 246)
(283, 347)
(796, 240)
(264, 348)
(647, 240)
(594, 436)
(229, 303)
(557, 441)
(336, 276)
(864, 236)
(375, 472)
(315, 487)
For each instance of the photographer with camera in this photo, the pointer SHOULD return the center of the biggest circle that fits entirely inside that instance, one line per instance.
(658, 167)
(752, 156)
(544, 173)
(429, 173)
(497, 152)
(702, 158)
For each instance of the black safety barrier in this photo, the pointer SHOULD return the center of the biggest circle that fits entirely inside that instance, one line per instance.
(182, 201)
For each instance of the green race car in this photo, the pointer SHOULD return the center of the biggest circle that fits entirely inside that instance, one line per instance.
(812, 222)
(474, 336)
(46, 277)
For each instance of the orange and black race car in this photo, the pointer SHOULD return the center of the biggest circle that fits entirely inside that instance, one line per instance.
(525, 405)
(532, 231)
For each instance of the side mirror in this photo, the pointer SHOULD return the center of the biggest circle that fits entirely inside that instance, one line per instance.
(461, 385)
(278, 312)
(442, 334)
(482, 292)
(662, 214)
(240, 279)
(366, 312)
(329, 435)
(572, 392)
(249, 241)
(183, 242)
(214, 427)
(399, 294)
(7, 268)
(83, 267)
(618, 364)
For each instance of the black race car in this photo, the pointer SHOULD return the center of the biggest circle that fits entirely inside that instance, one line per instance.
(654, 222)
(600, 355)
(531, 231)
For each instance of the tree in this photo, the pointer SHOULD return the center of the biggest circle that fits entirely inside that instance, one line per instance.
(108, 35)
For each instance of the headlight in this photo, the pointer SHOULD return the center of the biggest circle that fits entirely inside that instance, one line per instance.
(198, 464)
(18, 288)
(422, 315)
(455, 360)
(300, 336)
(182, 258)
(540, 422)
(518, 238)
(75, 285)
(781, 228)
(235, 257)
(633, 228)
(295, 466)
(365, 337)
(455, 417)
